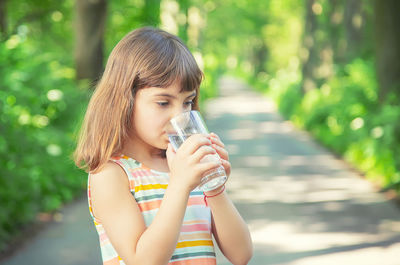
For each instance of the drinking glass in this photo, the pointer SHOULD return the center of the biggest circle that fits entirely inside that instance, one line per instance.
(182, 127)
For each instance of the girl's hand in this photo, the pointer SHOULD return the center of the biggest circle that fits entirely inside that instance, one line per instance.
(219, 146)
(185, 167)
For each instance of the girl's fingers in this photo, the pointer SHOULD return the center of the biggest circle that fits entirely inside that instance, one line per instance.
(170, 152)
(221, 152)
(193, 143)
(214, 135)
(201, 168)
(202, 152)
(215, 139)
(227, 166)
(219, 146)
(170, 149)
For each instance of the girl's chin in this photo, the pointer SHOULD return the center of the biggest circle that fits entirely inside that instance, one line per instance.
(163, 146)
(166, 142)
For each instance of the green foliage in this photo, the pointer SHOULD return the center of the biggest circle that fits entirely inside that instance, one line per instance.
(39, 107)
(343, 111)
(126, 15)
(345, 115)
(261, 38)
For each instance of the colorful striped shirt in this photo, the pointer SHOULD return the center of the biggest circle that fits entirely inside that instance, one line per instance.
(195, 245)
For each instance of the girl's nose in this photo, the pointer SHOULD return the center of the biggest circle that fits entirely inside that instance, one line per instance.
(178, 111)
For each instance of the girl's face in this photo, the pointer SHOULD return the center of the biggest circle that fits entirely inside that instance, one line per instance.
(153, 109)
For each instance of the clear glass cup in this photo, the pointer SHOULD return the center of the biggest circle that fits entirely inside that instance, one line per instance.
(182, 127)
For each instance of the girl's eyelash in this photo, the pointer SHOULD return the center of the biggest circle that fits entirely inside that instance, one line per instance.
(163, 103)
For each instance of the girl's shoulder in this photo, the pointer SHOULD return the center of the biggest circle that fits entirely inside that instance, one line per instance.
(108, 189)
(110, 175)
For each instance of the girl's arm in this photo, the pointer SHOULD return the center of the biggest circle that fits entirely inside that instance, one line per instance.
(230, 231)
(115, 207)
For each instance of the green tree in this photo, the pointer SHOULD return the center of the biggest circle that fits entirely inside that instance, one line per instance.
(150, 13)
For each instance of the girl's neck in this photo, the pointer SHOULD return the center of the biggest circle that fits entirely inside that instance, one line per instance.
(150, 156)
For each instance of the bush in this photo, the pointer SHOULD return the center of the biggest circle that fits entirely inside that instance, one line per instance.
(40, 106)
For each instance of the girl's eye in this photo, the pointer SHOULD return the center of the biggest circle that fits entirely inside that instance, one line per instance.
(163, 103)
(189, 103)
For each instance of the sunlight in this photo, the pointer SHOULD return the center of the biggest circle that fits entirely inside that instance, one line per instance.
(195, 22)
(233, 149)
(56, 16)
(24, 117)
(13, 42)
(242, 134)
(257, 161)
(54, 150)
(253, 182)
(291, 236)
(199, 60)
(350, 254)
(40, 121)
(277, 127)
(389, 225)
(169, 10)
(55, 95)
(217, 107)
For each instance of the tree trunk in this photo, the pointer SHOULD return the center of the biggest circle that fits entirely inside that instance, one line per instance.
(353, 21)
(310, 52)
(260, 57)
(336, 37)
(3, 19)
(90, 24)
(387, 33)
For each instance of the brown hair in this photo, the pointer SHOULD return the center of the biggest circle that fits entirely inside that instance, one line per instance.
(145, 57)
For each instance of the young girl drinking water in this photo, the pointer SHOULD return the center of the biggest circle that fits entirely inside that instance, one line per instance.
(142, 194)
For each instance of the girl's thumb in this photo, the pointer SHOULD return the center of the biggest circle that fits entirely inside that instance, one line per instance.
(170, 152)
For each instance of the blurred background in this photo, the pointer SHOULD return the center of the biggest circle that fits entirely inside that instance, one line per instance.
(331, 66)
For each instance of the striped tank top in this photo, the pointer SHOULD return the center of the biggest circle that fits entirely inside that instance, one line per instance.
(195, 245)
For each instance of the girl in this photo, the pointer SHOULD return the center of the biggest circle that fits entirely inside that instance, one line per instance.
(142, 195)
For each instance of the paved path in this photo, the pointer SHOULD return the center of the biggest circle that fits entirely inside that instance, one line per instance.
(303, 206)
